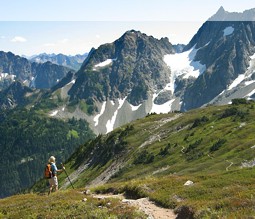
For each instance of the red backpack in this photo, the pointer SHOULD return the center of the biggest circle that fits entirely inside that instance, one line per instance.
(47, 171)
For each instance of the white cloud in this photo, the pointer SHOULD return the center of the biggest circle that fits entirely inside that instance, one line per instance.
(18, 39)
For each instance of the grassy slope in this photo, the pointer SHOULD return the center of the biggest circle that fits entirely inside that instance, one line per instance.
(206, 146)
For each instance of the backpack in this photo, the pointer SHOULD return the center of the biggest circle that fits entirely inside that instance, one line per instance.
(47, 171)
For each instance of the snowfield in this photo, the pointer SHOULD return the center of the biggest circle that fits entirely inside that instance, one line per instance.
(183, 64)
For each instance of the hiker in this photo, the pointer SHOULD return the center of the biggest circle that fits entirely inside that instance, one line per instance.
(53, 181)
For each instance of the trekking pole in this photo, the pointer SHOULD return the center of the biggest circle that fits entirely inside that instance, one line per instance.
(67, 176)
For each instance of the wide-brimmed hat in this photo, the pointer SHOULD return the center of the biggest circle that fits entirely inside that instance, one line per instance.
(52, 159)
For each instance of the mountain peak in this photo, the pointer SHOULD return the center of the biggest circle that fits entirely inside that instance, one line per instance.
(221, 9)
(132, 33)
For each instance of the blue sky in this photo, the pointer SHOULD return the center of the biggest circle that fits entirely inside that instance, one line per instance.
(74, 26)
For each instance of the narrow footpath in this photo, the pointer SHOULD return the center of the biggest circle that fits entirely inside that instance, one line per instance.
(143, 204)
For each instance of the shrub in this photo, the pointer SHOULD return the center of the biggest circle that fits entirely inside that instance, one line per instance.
(239, 101)
(233, 111)
(229, 112)
(134, 191)
(200, 121)
(217, 145)
(193, 146)
(144, 157)
(164, 151)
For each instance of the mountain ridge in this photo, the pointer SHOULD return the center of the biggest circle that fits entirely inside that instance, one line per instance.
(222, 15)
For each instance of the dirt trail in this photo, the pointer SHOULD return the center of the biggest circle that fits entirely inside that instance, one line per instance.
(144, 204)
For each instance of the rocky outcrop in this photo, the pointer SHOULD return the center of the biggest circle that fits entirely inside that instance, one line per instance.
(225, 48)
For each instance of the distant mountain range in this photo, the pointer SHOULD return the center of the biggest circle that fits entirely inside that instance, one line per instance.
(72, 62)
(32, 74)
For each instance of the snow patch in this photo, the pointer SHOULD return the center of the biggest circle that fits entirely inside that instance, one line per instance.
(7, 76)
(228, 31)
(71, 82)
(163, 108)
(104, 63)
(250, 94)
(110, 122)
(32, 83)
(237, 81)
(3, 75)
(252, 62)
(13, 77)
(54, 113)
(182, 64)
(10, 101)
(249, 82)
(96, 118)
(253, 56)
(134, 108)
(245, 76)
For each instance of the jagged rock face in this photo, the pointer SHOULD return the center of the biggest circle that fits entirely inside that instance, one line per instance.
(13, 67)
(225, 48)
(131, 67)
(14, 95)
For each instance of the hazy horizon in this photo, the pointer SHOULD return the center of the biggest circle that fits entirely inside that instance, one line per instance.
(75, 27)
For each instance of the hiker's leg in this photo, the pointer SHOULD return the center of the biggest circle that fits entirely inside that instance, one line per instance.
(50, 189)
(51, 182)
(55, 179)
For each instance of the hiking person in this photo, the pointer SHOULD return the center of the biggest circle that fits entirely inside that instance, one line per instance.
(53, 181)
